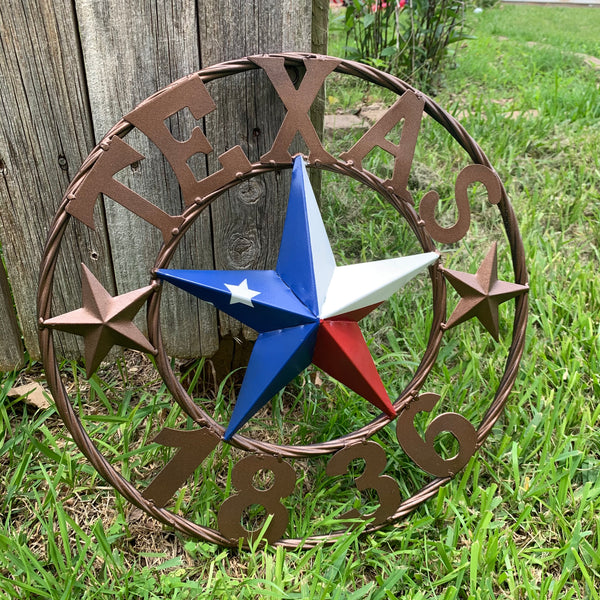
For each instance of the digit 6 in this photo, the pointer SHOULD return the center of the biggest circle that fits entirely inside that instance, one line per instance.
(422, 451)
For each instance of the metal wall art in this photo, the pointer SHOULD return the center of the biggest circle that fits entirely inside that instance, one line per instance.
(202, 465)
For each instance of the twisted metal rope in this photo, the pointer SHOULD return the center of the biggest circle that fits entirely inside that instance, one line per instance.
(125, 488)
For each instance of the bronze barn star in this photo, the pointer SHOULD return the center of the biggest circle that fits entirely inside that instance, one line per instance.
(104, 321)
(481, 294)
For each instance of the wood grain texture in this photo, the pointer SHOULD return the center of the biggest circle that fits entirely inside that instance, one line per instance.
(248, 220)
(320, 23)
(45, 133)
(11, 348)
(132, 49)
(70, 70)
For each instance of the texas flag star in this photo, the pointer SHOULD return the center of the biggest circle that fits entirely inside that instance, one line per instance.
(306, 310)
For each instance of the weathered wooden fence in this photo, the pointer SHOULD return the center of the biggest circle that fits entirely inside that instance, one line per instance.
(69, 70)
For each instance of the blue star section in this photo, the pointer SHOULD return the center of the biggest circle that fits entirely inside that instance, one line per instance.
(286, 353)
(305, 261)
(264, 302)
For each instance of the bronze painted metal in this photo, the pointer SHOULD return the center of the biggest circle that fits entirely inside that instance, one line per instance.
(104, 321)
(481, 294)
(191, 449)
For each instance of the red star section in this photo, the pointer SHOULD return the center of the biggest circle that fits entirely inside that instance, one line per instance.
(341, 351)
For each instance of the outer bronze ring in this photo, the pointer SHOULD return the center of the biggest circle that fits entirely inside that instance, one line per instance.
(124, 487)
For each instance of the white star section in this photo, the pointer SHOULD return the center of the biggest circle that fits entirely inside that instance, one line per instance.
(348, 288)
(353, 287)
(241, 294)
(322, 259)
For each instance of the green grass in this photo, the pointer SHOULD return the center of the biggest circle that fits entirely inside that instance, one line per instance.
(567, 28)
(520, 521)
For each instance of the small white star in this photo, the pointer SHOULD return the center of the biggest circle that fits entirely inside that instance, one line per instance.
(241, 293)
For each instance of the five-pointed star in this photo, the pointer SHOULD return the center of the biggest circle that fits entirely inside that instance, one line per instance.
(481, 294)
(241, 293)
(306, 310)
(104, 321)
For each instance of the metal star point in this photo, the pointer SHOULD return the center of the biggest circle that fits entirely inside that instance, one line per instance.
(481, 294)
(104, 321)
(306, 310)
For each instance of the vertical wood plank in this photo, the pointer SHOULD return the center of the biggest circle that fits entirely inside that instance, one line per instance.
(51, 54)
(132, 49)
(11, 349)
(248, 220)
(320, 23)
(45, 134)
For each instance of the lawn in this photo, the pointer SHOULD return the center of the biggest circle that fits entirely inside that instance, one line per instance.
(521, 520)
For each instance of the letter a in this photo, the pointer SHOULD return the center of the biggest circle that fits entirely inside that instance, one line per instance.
(410, 108)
